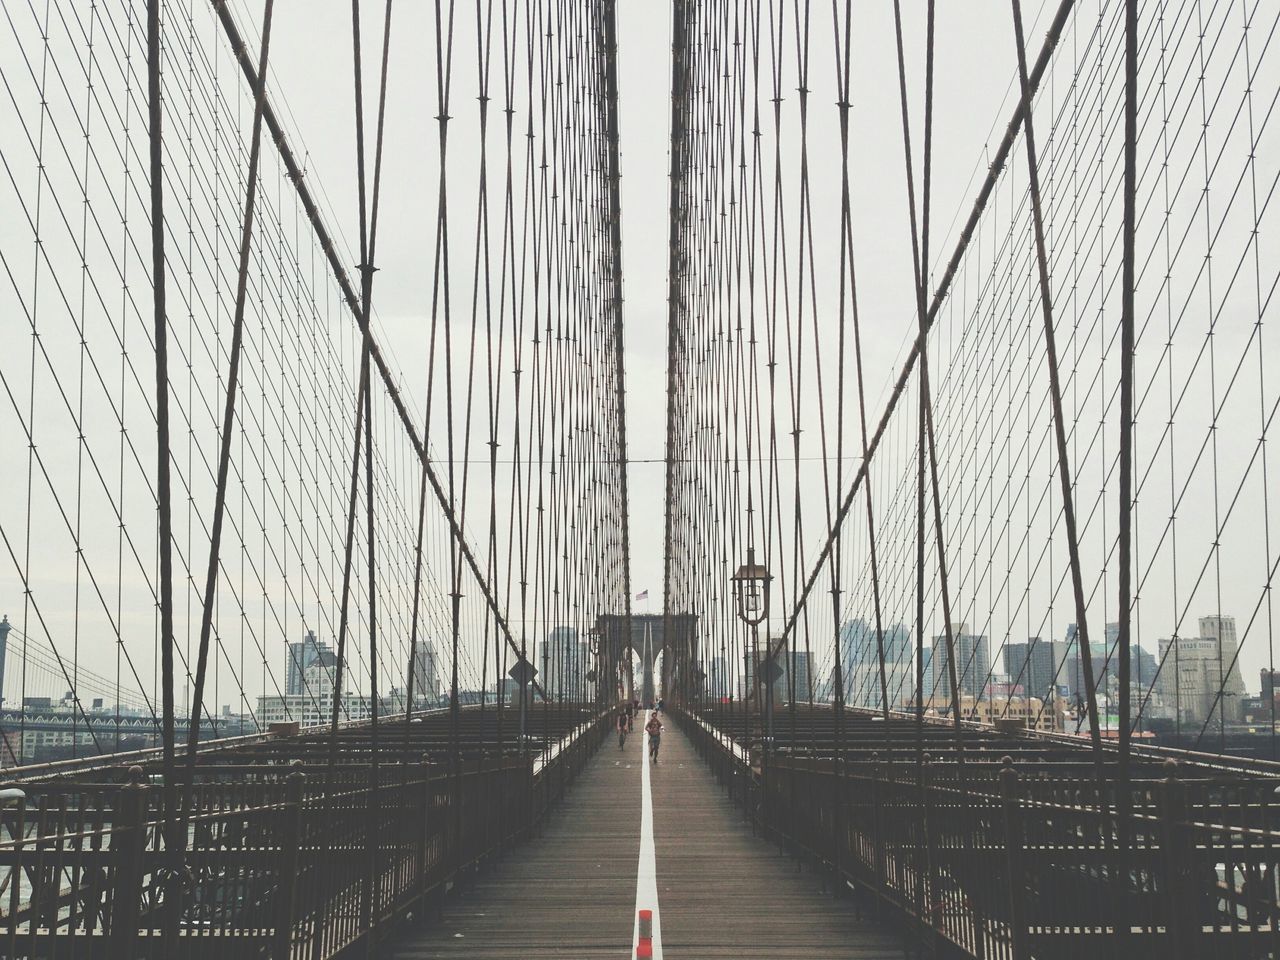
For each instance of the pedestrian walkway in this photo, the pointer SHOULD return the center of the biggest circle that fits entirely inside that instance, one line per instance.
(722, 893)
(568, 893)
(725, 893)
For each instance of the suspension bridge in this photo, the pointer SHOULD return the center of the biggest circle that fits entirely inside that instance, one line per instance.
(322, 610)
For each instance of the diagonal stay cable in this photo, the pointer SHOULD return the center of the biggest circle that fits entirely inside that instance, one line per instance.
(1055, 394)
(349, 294)
(999, 159)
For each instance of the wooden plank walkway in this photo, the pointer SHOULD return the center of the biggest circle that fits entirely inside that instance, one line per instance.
(568, 893)
(724, 893)
(571, 893)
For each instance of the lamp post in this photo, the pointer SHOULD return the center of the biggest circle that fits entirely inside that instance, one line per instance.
(751, 591)
(594, 672)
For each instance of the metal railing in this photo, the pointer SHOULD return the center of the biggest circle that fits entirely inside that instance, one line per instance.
(281, 860)
(1017, 860)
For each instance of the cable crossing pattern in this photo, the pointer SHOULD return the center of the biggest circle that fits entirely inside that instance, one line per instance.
(243, 526)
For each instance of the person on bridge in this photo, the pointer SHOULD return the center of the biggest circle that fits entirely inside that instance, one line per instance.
(621, 723)
(654, 729)
(631, 715)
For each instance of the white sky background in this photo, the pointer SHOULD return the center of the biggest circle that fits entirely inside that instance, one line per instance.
(311, 87)
(975, 70)
(974, 45)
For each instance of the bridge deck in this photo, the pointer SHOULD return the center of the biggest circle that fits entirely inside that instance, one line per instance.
(724, 893)
(721, 892)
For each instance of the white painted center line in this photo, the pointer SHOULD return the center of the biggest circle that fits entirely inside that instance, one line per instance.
(646, 869)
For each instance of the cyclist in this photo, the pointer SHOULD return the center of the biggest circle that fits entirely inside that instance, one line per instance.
(654, 729)
(620, 724)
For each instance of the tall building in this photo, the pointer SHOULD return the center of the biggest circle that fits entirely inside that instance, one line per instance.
(301, 655)
(426, 673)
(564, 664)
(973, 663)
(1071, 666)
(802, 662)
(1225, 673)
(825, 692)
(1142, 671)
(857, 657)
(1269, 683)
(319, 677)
(1197, 668)
(1109, 663)
(860, 662)
(1064, 658)
(1031, 666)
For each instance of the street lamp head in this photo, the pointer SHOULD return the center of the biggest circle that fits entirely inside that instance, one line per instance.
(751, 589)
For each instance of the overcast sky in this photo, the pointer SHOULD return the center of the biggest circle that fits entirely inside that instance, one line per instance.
(975, 53)
(311, 86)
(976, 77)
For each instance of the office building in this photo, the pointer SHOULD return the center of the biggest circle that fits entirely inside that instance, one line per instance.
(973, 663)
(311, 711)
(1031, 713)
(301, 655)
(564, 664)
(319, 678)
(860, 662)
(1071, 674)
(1064, 658)
(1197, 668)
(1031, 666)
(1269, 682)
(800, 666)
(1142, 670)
(426, 674)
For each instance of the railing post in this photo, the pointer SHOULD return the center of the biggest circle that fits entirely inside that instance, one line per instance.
(489, 799)
(128, 842)
(1173, 813)
(424, 836)
(368, 911)
(927, 885)
(531, 790)
(836, 840)
(290, 843)
(561, 778)
(877, 832)
(1010, 798)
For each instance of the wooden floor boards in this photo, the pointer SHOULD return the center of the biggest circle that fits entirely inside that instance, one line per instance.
(570, 893)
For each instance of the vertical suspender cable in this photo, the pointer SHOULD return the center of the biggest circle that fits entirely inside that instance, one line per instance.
(165, 545)
(1124, 828)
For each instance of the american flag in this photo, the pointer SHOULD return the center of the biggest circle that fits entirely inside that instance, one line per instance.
(642, 595)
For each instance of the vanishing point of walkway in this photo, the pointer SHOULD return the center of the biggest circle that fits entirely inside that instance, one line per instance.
(722, 893)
